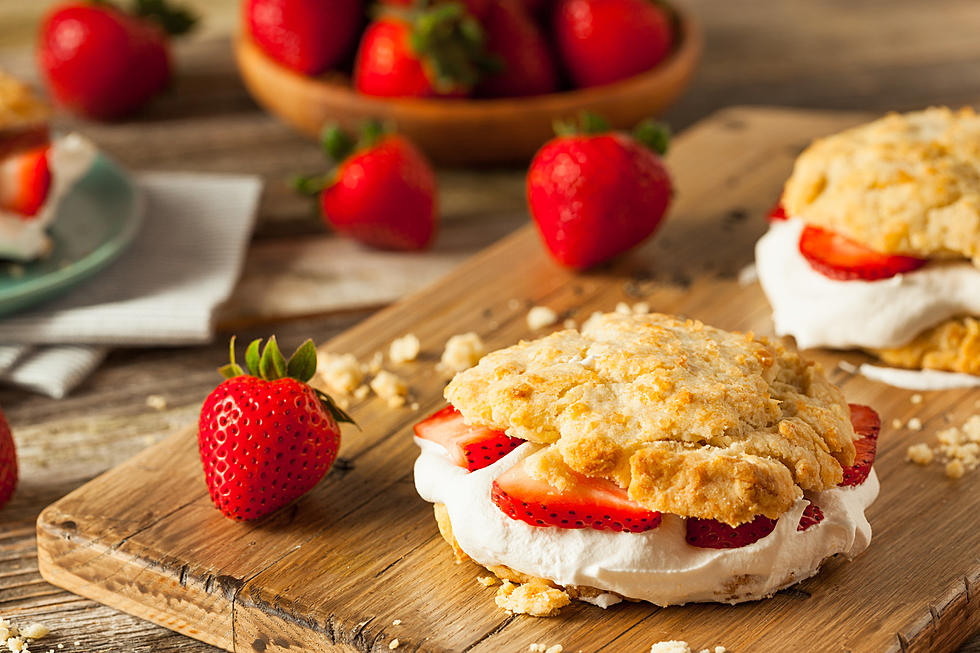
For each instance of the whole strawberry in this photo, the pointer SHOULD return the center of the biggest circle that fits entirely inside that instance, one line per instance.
(382, 190)
(603, 41)
(595, 193)
(309, 36)
(104, 63)
(8, 462)
(265, 436)
(421, 52)
(526, 64)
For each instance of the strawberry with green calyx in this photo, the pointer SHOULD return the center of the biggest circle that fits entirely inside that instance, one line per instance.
(422, 52)
(381, 190)
(264, 435)
(104, 62)
(595, 193)
(309, 36)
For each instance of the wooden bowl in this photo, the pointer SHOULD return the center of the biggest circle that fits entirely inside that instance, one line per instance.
(467, 131)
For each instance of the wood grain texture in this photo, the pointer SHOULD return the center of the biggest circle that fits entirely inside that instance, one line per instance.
(338, 567)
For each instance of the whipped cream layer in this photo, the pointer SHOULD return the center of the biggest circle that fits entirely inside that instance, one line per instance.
(822, 312)
(25, 239)
(658, 566)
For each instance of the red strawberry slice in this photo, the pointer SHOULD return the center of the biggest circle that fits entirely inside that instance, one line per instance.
(867, 424)
(777, 214)
(811, 516)
(712, 534)
(24, 181)
(843, 259)
(589, 503)
(469, 446)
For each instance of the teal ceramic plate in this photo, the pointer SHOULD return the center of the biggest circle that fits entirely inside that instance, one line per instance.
(96, 220)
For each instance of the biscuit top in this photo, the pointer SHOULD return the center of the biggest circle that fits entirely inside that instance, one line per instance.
(20, 107)
(692, 420)
(903, 184)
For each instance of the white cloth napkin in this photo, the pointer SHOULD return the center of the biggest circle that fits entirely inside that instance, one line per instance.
(163, 290)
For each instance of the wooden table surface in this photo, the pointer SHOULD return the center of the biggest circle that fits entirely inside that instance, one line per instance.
(809, 53)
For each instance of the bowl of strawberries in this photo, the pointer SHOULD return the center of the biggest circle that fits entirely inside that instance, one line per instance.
(469, 81)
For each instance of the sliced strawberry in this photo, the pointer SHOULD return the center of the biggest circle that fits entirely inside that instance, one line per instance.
(867, 424)
(24, 181)
(589, 503)
(837, 257)
(469, 446)
(711, 534)
(777, 213)
(811, 516)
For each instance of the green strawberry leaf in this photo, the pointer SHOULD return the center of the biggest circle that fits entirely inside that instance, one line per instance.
(272, 365)
(308, 184)
(252, 357)
(587, 123)
(338, 413)
(174, 20)
(302, 364)
(232, 369)
(654, 135)
(335, 142)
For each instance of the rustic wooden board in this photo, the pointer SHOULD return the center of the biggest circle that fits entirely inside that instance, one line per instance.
(338, 567)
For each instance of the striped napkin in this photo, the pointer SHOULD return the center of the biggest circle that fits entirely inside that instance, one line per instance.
(163, 290)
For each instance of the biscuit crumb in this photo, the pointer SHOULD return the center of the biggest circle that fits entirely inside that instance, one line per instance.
(624, 309)
(570, 324)
(920, 454)
(641, 308)
(34, 631)
(394, 644)
(462, 352)
(341, 372)
(721, 649)
(156, 402)
(915, 424)
(533, 599)
(916, 398)
(897, 423)
(361, 392)
(415, 405)
(487, 581)
(955, 469)
(540, 317)
(404, 349)
(557, 648)
(390, 388)
(396, 622)
(671, 646)
(373, 366)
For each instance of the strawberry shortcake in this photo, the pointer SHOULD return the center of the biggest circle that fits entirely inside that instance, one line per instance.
(876, 244)
(647, 458)
(35, 171)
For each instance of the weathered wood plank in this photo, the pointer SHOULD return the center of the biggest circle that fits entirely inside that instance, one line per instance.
(361, 550)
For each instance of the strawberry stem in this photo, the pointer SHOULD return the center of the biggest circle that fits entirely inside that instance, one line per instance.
(587, 123)
(335, 142)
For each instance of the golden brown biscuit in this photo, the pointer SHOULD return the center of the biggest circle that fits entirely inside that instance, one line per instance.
(952, 346)
(903, 184)
(692, 420)
(23, 116)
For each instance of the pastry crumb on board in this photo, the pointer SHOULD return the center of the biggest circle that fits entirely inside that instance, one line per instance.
(957, 448)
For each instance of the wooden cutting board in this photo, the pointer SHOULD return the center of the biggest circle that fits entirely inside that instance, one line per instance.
(339, 567)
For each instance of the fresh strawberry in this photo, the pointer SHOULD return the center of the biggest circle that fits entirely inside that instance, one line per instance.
(24, 181)
(472, 447)
(777, 214)
(422, 52)
(712, 534)
(527, 67)
(8, 462)
(265, 436)
(867, 424)
(604, 41)
(309, 36)
(104, 63)
(382, 191)
(812, 516)
(596, 194)
(843, 259)
(588, 503)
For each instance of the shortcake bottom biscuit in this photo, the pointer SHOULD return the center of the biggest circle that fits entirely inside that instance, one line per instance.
(952, 346)
(535, 596)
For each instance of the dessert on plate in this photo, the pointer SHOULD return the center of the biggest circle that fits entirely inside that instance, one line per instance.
(649, 458)
(35, 171)
(876, 244)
